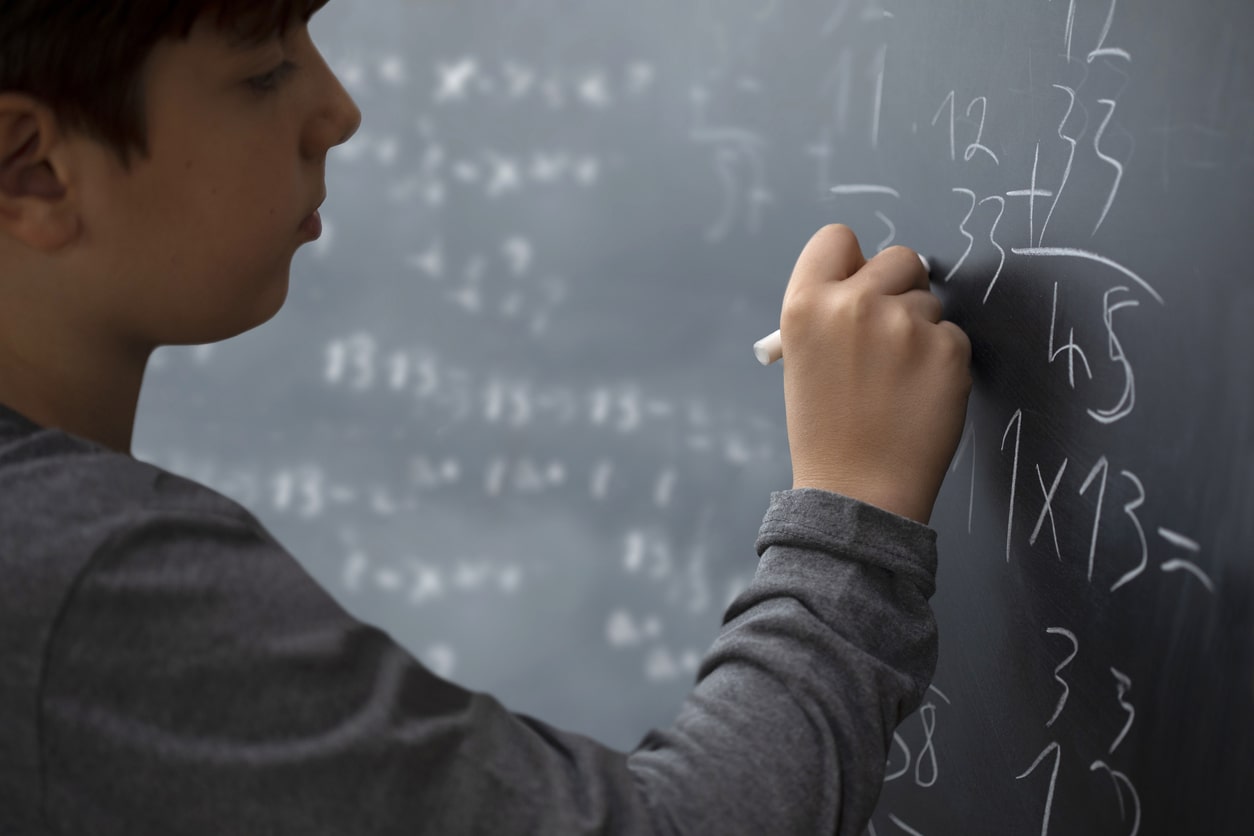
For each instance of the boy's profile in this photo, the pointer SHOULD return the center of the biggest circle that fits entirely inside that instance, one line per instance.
(166, 666)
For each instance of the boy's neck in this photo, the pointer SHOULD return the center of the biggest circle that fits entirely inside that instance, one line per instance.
(88, 392)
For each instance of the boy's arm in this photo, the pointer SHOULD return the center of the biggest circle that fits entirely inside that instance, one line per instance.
(831, 646)
(201, 682)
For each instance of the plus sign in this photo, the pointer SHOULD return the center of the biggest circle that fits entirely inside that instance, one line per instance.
(1032, 193)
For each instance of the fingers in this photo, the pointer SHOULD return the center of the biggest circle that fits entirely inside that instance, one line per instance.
(961, 341)
(832, 254)
(924, 304)
(896, 270)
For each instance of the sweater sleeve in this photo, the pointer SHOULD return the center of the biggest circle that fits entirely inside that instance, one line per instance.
(201, 682)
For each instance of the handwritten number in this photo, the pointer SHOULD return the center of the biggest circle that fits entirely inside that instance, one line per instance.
(878, 68)
(927, 714)
(967, 436)
(892, 231)
(1066, 689)
(1053, 778)
(1071, 348)
(1070, 27)
(1102, 49)
(979, 137)
(1001, 202)
(1016, 421)
(1103, 466)
(904, 767)
(1117, 776)
(1127, 401)
(1066, 174)
(1122, 683)
(949, 100)
(1140, 533)
(1118, 166)
(962, 227)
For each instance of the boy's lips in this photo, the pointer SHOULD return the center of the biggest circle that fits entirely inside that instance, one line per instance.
(321, 200)
(312, 225)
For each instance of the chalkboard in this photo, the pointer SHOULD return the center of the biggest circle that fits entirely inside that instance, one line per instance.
(510, 411)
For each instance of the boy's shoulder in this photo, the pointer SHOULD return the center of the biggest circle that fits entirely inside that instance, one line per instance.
(54, 485)
(63, 501)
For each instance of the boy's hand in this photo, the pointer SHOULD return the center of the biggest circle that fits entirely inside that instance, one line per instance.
(875, 383)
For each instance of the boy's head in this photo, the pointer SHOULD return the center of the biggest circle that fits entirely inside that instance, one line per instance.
(157, 158)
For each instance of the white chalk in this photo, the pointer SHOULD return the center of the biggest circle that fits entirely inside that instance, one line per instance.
(768, 349)
(771, 348)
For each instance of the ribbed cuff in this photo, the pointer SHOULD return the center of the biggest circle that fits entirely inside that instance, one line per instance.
(811, 518)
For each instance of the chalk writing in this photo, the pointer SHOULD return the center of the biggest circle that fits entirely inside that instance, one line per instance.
(905, 828)
(1121, 782)
(1071, 252)
(1047, 508)
(992, 237)
(861, 188)
(962, 228)
(1016, 421)
(1177, 564)
(1104, 468)
(1129, 509)
(1123, 683)
(637, 484)
(949, 101)
(927, 715)
(978, 145)
(900, 743)
(1071, 348)
(1105, 51)
(1118, 166)
(1031, 193)
(1053, 779)
(968, 435)
(1066, 689)
(1066, 174)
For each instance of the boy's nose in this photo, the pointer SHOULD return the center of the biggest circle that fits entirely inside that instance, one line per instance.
(353, 120)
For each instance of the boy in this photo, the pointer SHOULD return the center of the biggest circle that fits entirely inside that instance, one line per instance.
(166, 667)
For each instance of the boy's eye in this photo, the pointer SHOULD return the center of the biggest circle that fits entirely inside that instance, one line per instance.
(271, 80)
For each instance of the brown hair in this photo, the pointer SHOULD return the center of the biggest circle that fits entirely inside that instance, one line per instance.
(85, 59)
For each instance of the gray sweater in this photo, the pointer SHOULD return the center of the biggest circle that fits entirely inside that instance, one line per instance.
(167, 667)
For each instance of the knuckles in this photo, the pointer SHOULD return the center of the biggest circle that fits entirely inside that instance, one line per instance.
(855, 313)
(798, 308)
(899, 252)
(953, 354)
(898, 324)
(854, 309)
(837, 235)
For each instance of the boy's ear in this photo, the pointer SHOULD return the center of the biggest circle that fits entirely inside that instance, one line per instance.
(33, 208)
